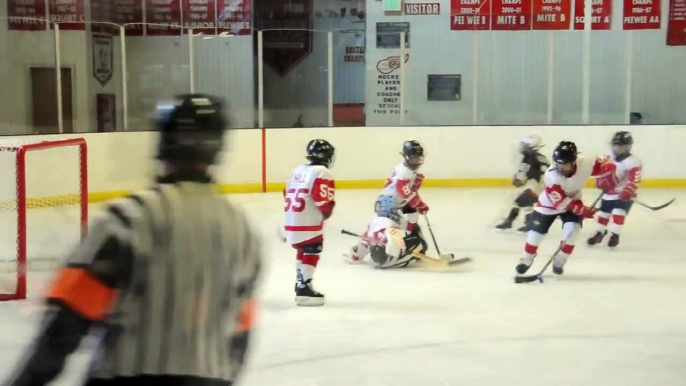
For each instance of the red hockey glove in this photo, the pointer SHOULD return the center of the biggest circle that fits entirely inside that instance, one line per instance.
(628, 193)
(422, 208)
(577, 207)
(606, 177)
(418, 182)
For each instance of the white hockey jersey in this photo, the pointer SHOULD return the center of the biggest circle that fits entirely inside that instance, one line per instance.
(559, 190)
(628, 173)
(309, 200)
(385, 232)
(401, 184)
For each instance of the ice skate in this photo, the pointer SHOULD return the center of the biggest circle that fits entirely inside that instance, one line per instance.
(306, 296)
(354, 257)
(524, 264)
(507, 224)
(614, 240)
(596, 238)
(558, 264)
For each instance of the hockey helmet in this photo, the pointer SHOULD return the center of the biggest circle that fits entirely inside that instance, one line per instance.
(191, 129)
(413, 149)
(320, 152)
(565, 153)
(530, 143)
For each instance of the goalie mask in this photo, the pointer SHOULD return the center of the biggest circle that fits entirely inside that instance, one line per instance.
(385, 207)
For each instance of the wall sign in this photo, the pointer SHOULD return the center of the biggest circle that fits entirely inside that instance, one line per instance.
(387, 96)
(511, 15)
(33, 9)
(388, 34)
(470, 15)
(234, 16)
(422, 8)
(68, 13)
(163, 17)
(602, 14)
(676, 25)
(354, 55)
(200, 15)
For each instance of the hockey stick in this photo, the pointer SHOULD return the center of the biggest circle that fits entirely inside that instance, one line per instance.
(655, 208)
(539, 275)
(431, 232)
(421, 256)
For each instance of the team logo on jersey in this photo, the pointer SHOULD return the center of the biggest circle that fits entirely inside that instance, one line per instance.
(390, 64)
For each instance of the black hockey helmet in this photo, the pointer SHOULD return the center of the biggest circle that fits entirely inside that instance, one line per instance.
(412, 149)
(191, 129)
(320, 152)
(621, 138)
(565, 153)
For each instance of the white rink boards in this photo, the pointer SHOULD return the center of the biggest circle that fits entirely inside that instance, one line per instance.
(614, 319)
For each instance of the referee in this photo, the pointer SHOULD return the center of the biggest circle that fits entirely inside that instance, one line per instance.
(170, 272)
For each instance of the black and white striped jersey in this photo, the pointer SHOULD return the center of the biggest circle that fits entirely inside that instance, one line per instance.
(172, 272)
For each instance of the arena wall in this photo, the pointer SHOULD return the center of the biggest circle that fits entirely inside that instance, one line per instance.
(261, 160)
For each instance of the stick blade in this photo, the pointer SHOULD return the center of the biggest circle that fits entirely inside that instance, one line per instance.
(459, 261)
(527, 279)
(664, 205)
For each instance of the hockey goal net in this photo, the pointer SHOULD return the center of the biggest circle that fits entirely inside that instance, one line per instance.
(43, 210)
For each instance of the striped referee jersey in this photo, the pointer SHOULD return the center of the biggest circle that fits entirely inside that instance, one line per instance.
(171, 272)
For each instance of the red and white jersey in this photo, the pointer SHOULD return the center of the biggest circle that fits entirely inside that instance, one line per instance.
(385, 232)
(401, 185)
(628, 173)
(309, 200)
(559, 190)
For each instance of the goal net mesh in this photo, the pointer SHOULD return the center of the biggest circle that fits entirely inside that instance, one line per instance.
(40, 211)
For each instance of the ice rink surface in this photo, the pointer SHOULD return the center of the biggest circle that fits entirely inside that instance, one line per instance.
(614, 318)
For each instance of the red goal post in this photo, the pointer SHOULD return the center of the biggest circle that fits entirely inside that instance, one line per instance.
(49, 176)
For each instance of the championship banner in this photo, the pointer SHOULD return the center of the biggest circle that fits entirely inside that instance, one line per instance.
(34, 9)
(163, 17)
(470, 15)
(552, 14)
(201, 15)
(68, 13)
(130, 14)
(641, 14)
(602, 14)
(676, 24)
(511, 15)
(102, 11)
(234, 17)
(103, 58)
(290, 42)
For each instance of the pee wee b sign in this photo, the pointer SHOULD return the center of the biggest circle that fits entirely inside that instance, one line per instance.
(432, 9)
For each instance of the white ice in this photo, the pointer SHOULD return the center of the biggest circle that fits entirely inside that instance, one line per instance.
(614, 318)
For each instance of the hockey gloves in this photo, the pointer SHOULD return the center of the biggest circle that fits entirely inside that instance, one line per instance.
(628, 193)
(577, 207)
(417, 182)
(606, 178)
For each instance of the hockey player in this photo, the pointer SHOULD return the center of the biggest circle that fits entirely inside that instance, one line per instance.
(561, 199)
(530, 173)
(404, 183)
(168, 273)
(617, 200)
(309, 201)
(386, 240)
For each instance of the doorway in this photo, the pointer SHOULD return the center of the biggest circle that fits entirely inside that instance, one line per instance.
(44, 100)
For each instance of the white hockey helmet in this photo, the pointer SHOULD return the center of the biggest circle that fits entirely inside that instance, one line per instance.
(531, 142)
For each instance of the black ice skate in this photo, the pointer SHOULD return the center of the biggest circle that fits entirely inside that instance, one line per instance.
(305, 295)
(559, 264)
(507, 224)
(614, 240)
(527, 223)
(523, 228)
(597, 238)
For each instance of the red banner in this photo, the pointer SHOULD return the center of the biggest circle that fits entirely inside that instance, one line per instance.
(102, 11)
(641, 14)
(470, 15)
(676, 25)
(290, 40)
(234, 16)
(34, 9)
(511, 15)
(163, 17)
(602, 14)
(129, 13)
(552, 14)
(201, 15)
(68, 13)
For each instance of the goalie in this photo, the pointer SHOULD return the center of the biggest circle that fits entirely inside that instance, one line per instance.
(385, 240)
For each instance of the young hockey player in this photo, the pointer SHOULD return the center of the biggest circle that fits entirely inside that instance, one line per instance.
(561, 198)
(529, 176)
(385, 240)
(404, 183)
(617, 201)
(309, 201)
